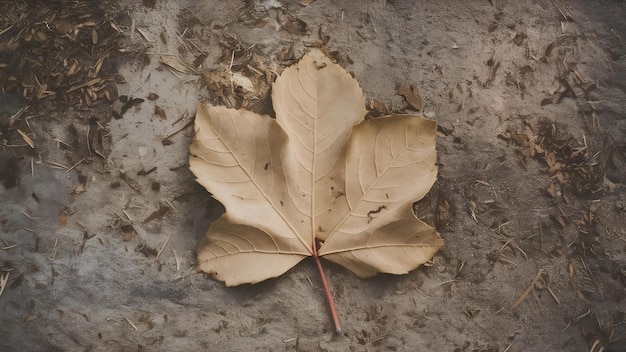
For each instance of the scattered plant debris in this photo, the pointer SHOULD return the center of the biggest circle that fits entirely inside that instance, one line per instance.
(570, 164)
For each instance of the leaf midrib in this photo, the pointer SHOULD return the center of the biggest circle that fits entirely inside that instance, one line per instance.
(313, 178)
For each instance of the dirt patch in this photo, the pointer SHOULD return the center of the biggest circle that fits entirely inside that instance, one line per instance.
(99, 254)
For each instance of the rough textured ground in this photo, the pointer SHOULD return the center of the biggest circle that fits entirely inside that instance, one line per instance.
(89, 270)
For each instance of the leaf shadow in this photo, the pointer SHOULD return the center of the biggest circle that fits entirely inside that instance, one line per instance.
(247, 293)
(203, 210)
(342, 281)
(383, 284)
(375, 286)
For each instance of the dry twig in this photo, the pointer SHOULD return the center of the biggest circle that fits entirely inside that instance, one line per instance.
(528, 289)
(3, 282)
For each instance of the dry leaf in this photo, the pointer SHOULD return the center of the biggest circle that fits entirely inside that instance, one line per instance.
(63, 217)
(377, 108)
(160, 112)
(411, 96)
(197, 62)
(316, 181)
(239, 80)
(127, 232)
(176, 64)
(157, 214)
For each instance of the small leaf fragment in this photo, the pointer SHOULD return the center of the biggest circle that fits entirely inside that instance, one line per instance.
(157, 214)
(160, 112)
(176, 64)
(411, 96)
(127, 232)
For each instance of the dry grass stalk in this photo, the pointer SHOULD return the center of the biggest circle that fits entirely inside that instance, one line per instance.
(131, 324)
(163, 247)
(528, 289)
(3, 282)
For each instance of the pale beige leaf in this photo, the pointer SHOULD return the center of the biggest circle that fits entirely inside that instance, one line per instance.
(318, 175)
